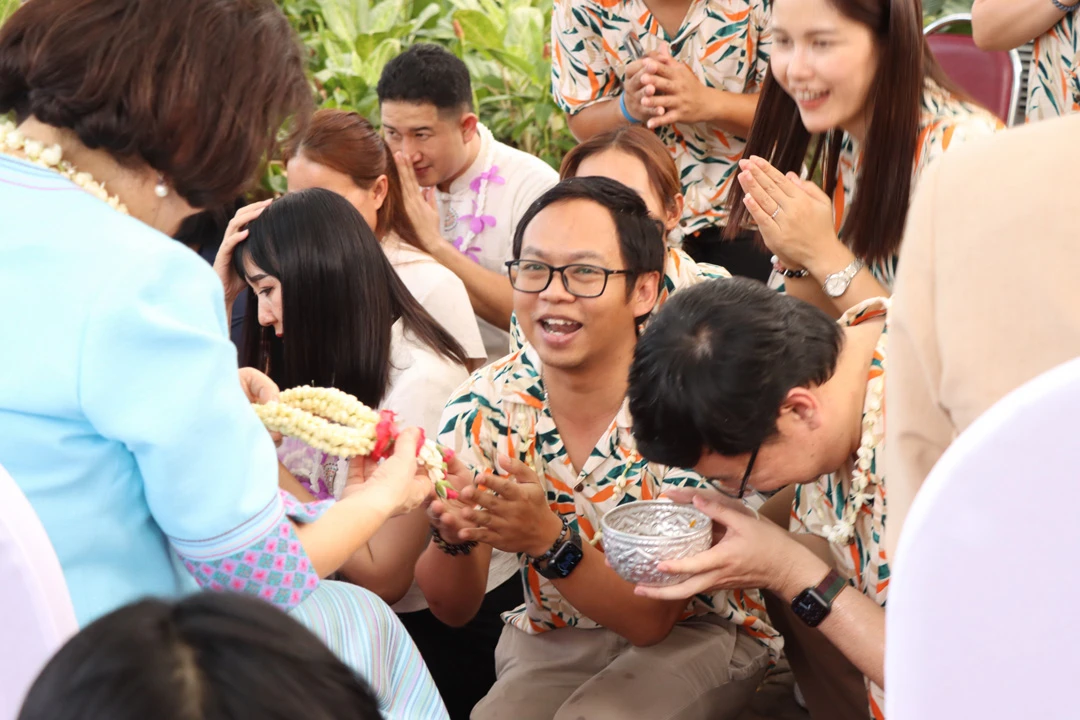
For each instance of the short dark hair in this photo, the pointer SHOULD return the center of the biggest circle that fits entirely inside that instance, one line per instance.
(210, 656)
(427, 73)
(197, 89)
(340, 298)
(641, 236)
(715, 364)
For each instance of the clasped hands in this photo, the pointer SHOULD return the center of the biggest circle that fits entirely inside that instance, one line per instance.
(794, 216)
(508, 512)
(660, 90)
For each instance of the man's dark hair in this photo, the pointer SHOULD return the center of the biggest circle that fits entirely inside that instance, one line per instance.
(210, 656)
(641, 236)
(715, 365)
(427, 73)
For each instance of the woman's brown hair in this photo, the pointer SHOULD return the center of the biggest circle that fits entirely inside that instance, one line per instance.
(347, 143)
(875, 223)
(195, 89)
(642, 144)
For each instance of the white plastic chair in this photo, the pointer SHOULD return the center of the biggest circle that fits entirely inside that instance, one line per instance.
(982, 617)
(36, 616)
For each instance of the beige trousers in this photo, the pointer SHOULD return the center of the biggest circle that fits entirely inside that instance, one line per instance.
(706, 669)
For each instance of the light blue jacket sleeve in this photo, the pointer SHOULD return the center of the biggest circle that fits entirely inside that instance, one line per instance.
(159, 374)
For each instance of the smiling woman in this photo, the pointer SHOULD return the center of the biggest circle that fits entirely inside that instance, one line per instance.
(857, 77)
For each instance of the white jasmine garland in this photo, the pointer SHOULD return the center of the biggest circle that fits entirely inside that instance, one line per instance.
(52, 158)
(873, 433)
(337, 423)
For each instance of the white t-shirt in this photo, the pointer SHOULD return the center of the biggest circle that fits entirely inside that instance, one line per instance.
(439, 291)
(502, 182)
(421, 381)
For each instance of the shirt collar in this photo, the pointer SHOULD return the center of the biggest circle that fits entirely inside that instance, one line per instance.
(526, 371)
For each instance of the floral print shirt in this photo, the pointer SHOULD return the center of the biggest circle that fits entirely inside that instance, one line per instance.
(825, 508)
(945, 122)
(725, 42)
(680, 271)
(1053, 83)
(503, 410)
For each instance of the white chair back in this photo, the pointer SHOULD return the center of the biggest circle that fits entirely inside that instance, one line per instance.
(982, 615)
(36, 616)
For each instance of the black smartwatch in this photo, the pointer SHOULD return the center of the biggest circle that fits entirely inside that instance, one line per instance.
(813, 604)
(563, 557)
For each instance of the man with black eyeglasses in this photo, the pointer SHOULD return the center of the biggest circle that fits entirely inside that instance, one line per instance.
(760, 391)
(547, 433)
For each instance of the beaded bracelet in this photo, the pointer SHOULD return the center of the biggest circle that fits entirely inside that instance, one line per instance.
(452, 549)
(786, 272)
(1063, 7)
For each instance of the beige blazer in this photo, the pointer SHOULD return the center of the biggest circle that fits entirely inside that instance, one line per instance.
(987, 296)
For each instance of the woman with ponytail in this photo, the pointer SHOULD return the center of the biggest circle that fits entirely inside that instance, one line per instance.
(854, 81)
(342, 152)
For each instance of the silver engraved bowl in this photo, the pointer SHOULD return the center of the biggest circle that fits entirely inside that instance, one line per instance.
(638, 536)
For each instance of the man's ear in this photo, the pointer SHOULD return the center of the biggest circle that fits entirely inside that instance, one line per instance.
(469, 121)
(645, 293)
(802, 406)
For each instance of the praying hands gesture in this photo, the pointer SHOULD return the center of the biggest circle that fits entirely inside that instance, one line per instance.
(672, 93)
(420, 206)
(795, 217)
(747, 552)
(635, 91)
(512, 514)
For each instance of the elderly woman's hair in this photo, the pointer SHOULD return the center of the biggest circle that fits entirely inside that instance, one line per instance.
(198, 89)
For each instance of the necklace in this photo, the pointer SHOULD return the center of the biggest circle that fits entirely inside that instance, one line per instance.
(52, 158)
(476, 221)
(865, 471)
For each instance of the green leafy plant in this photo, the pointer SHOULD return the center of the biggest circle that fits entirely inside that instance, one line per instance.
(504, 44)
(7, 7)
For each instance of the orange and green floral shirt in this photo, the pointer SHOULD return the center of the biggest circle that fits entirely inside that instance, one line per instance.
(849, 514)
(1054, 82)
(725, 42)
(503, 409)
(945, 122)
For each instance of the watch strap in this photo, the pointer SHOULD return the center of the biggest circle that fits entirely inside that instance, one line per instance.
(843, 278)
(831, 586)
(546, 567)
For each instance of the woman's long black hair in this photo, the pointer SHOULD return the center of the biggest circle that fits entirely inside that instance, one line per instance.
(340, 297)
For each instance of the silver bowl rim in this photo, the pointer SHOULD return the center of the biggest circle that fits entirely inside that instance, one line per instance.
(609, 530)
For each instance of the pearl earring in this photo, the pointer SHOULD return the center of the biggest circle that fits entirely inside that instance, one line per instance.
(161, 189)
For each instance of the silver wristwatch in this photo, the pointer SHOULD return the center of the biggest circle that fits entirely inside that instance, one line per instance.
(837, 283)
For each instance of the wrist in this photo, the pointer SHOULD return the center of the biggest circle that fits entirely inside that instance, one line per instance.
(552, 529)
(806, 570)
(626, 114)
(715, 105)
(437, 247)
(823, 264)
(373, 499)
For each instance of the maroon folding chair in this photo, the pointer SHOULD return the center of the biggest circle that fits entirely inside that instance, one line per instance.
(993, 78)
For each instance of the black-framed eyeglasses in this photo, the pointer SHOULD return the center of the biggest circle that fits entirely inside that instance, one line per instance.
(745, 478)
(580, 280)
